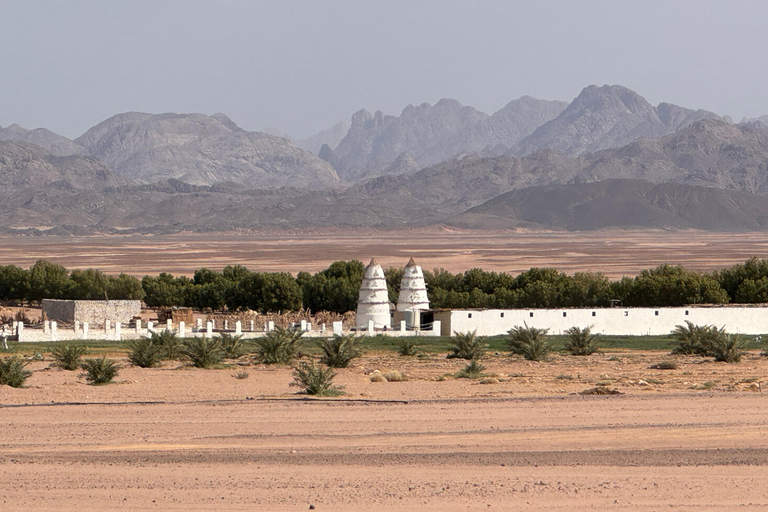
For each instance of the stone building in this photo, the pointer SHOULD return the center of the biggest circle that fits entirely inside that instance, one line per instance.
(94, 312)
(373, 301)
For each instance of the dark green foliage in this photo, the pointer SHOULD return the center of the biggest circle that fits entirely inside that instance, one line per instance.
(581, 342)
(203, 352)
(68, 356)
(233, 346)
(474, 370)
(529, 342)
(280, 346)
(668, 285)
(47, 280)
(144, 353)
(265, 292)
(166, 290)
(125, 287)
(407, 347)
(14, 283)
(746, 282)
(168, 343)
(315, 380)
(333, 289)
(664, 365)
(467, 345)
(12, 372)
(340, 350)
(100, 371)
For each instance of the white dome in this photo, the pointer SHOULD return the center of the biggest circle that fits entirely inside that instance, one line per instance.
(413, 289)
(373, 300)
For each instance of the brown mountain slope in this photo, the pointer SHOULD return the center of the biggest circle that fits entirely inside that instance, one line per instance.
(620, 203)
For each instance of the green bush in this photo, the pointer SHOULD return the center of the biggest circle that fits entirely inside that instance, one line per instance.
(581, 342)
(144, 353)
(340, 350)
(315, 380)
(690, 336)
(407, 347)
(724, 347)
(474, 370)
(203, 352)
(280, 346)
(170, 344)
(68, 356)
(12, 372)
(529, 342)
(100, 371)
(233, 346)
(467, 345)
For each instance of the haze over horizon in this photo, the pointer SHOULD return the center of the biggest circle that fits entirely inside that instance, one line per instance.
(299, 66)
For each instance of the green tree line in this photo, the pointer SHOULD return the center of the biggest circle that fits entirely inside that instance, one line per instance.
(335, 288)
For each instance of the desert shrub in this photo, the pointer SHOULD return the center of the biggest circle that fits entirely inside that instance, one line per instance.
(340, 350)
(467, 345)
(691, 338)
(378, 377)
(600, 391)
(100, 371)
(170, 344)
(529, 342)
(280, 346)
(203, 352)
(67, 356)
(407, 347)
(315, 380)
(13, 372)
(233, 346)
(724, 347)
(474, 370)
(664, 365)
(144, 353)
(242, 374)
(581, 342)
(395, 376)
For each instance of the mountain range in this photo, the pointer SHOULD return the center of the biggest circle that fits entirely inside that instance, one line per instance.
(608, 158)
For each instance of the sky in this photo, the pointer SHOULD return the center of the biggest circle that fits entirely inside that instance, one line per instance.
(300, 66)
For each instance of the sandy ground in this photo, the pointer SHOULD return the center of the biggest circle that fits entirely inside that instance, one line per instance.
(613, 252)
(177, 438)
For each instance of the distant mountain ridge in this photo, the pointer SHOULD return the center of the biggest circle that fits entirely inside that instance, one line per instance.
(46, 139)
(201, 150)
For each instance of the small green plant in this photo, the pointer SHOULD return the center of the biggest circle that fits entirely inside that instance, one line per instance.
(13, 372)
(692, 338)
(144, 353)
(664, 365)
(474, 370)
(529, 342)
(170, 344)
(68, 356)
(242, 374)
(315, 380)
(467, 345)
(407, 348)
(100, 371)
(233, 346)
(339, 351)
(581, 342)
(280, 346)
(203, 352)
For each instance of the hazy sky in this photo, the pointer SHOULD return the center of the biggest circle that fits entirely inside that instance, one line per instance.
(301, 66)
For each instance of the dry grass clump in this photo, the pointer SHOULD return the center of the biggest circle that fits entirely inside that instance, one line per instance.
(600, 391)
(489, 380)
(664, 365)
(377, 376)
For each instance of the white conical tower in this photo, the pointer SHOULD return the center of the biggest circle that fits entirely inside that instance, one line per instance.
(373, 301)
(413, 290)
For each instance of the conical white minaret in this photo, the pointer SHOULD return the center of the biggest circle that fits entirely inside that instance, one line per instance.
(373, 301)
(413, 290)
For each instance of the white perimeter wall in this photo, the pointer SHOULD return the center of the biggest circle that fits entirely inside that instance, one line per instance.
(629, 321)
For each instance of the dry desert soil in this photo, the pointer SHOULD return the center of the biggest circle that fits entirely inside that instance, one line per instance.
(179, 438)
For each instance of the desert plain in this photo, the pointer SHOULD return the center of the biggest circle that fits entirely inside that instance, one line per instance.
(179, 438)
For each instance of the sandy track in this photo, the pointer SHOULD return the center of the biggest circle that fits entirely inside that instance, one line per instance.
(627, 452)
(613, 252)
